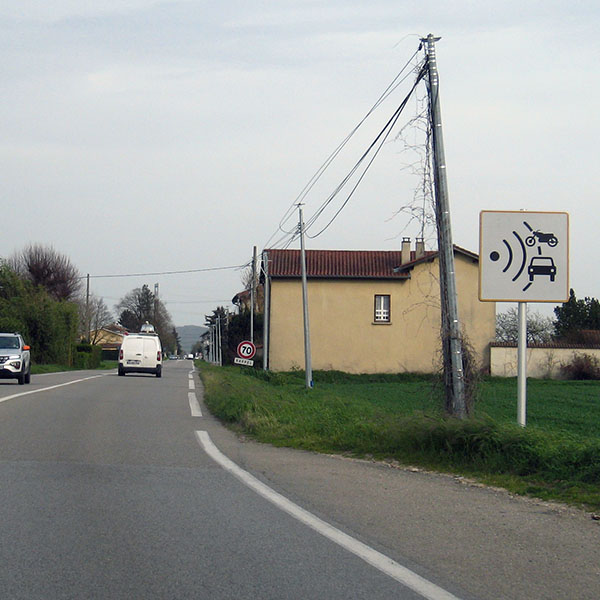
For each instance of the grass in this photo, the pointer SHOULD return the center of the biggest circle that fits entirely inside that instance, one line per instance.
(41, 369)
(399, 417)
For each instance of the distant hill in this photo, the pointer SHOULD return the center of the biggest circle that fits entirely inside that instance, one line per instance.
(189, 335)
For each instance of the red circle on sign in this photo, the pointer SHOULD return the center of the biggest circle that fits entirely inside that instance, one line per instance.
(246, 349)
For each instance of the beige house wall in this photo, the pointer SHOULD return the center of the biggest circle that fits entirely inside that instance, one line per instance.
(542, 363)
(345, 337)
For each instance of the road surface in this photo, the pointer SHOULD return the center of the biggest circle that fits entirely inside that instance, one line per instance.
(120, 487)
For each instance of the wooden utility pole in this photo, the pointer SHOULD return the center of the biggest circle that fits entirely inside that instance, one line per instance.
(451, 334)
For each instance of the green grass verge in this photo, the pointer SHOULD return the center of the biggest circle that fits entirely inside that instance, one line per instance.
(41, 369)
(399, 417)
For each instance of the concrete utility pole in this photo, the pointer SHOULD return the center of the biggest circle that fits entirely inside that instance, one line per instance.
(307, 357)
(253, 295)
(87, 310)
(451, 335)
(155, 302)
(219, 342)
(265, 266)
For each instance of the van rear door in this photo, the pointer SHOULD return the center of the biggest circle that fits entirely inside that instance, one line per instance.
(133, 351)
(150, 352)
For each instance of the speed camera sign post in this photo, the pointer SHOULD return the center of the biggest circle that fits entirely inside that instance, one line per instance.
(246, 351)
(523, 257)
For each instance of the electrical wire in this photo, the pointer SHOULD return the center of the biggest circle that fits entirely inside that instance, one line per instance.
(379, 141)
(166, 272)
(396, 82)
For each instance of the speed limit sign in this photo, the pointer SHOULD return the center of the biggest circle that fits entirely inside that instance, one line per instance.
(246, 349)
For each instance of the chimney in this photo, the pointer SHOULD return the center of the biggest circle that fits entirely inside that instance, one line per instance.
(420, 248)
(405, 251)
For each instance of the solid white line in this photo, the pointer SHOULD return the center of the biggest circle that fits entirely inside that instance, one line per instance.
(376, 559)
(52, 387)
(194, 405)
(192, 385)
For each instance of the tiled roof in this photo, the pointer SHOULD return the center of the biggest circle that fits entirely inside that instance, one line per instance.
(351, 264)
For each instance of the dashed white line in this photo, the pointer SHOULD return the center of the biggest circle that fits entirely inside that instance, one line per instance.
(192, 384)
(383, 563)
(194, 405)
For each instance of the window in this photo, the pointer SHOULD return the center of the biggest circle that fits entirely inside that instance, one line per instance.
(382, 308)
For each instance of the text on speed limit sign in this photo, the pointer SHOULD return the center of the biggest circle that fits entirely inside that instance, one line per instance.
(246, 349)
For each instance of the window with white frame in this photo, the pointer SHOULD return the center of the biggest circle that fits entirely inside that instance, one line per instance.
(382, 308)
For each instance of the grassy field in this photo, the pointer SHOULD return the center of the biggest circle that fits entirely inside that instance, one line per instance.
(399, 417)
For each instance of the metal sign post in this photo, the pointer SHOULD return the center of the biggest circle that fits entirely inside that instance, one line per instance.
(523, 257)
(522, 366)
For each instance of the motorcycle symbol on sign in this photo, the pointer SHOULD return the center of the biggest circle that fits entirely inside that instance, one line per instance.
(542, 238)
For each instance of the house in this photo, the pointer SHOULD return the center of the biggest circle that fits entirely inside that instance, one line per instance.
(369, 311)
(110, 338)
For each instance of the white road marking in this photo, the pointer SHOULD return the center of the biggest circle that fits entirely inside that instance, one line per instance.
(383, 563)
(52, 387)
(191, 374)
(192, 384)
(194, 405)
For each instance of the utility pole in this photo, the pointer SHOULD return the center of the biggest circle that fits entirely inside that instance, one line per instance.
(451, 335)
(219, 342)
(253, 295)
(87, 310)
(266, 312)
(155, 303)
(307, 357)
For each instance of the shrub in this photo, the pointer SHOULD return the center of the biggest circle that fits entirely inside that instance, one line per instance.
(582, 366)
(86, 356)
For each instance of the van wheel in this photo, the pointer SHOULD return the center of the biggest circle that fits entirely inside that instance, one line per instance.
(158, 372)
(121, 372)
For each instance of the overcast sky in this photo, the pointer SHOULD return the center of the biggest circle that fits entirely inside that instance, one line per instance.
(147, 136)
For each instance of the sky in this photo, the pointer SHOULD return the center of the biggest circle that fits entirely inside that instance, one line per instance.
(143, 136)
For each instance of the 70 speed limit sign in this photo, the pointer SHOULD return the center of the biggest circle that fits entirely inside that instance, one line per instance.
(246, 350)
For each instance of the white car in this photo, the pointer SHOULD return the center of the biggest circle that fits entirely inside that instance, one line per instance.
(140, 353)
(15, 358)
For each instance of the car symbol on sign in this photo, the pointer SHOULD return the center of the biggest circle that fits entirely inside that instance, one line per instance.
(541, 265)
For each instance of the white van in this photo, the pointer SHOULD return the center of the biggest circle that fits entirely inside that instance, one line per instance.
(140, 353)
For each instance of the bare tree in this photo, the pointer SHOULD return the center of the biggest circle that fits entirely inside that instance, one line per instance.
(46, 267)
(93, 316)
(539, 328)
(141, 305)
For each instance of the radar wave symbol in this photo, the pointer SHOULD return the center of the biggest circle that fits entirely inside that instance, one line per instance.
(495, 256)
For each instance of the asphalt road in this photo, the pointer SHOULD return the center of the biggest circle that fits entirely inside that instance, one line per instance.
(106, 491)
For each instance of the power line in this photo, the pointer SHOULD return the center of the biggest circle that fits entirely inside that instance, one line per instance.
(379, 141)
(167, 272)
(396, 82)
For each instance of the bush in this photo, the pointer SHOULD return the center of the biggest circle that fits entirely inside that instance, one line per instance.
(86, 356)
(582, 366)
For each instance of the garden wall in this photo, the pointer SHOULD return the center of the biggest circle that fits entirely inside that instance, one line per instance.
(543, 360)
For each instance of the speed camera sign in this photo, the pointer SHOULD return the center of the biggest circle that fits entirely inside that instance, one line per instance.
(524, 256)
